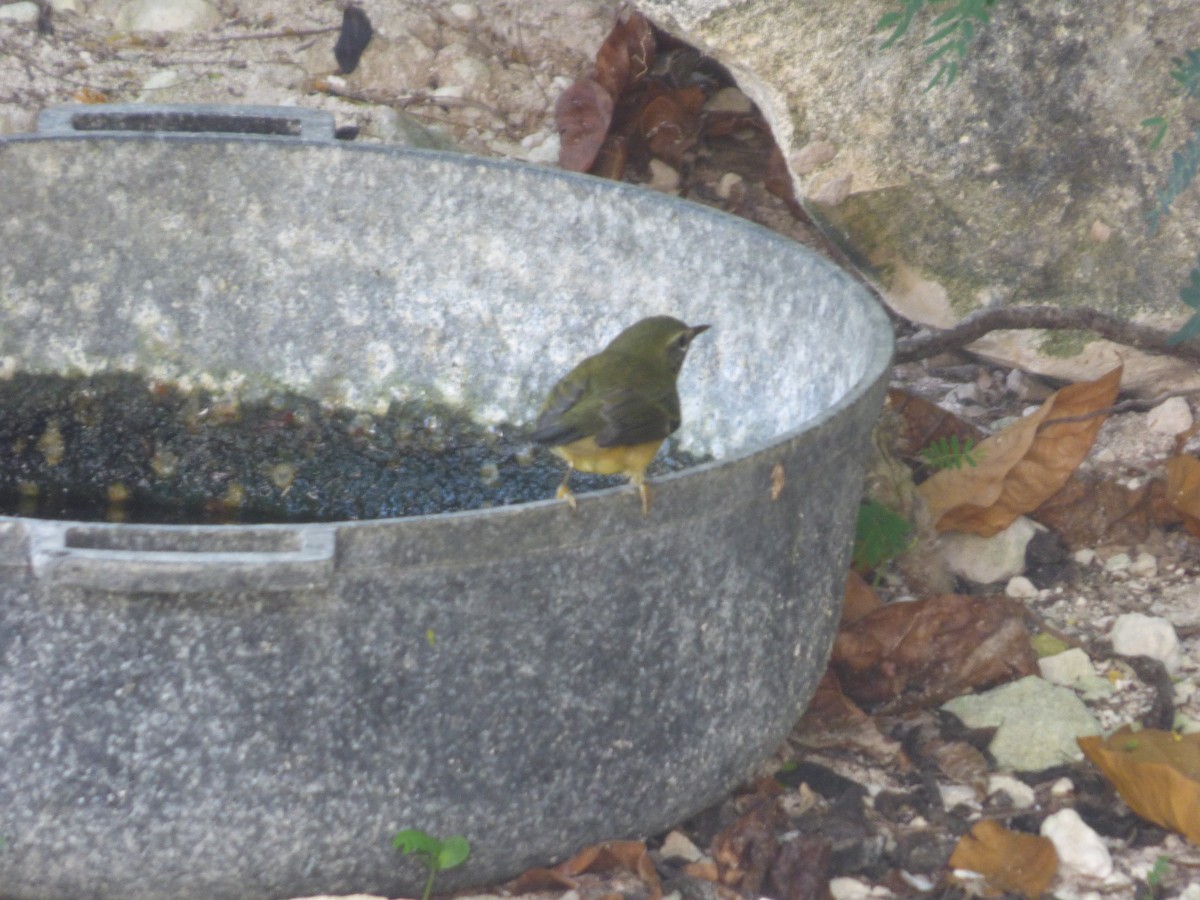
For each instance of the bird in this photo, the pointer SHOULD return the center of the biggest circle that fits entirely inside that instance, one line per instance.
(611, 413)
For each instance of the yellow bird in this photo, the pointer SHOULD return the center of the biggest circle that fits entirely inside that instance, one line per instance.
(611, 413)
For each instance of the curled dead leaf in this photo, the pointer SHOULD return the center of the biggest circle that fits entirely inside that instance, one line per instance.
(1156, 772)
(626, 55)
(1009, 861)
(1022, 465)
(922, 653)
(582, 114)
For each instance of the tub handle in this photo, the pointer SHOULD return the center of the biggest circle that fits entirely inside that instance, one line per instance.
(181, 559)
(285, 122)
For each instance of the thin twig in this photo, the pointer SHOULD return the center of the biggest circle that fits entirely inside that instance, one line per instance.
(976, 325)
(1134, 405)
(269, 35)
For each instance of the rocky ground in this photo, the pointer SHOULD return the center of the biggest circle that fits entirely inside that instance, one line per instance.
(484, 78)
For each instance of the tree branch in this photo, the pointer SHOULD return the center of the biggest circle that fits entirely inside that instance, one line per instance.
(976, 325)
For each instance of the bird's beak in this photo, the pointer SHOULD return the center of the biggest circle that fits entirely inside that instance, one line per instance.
(696, 329)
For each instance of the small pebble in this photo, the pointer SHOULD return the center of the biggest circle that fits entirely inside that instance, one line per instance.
(1136, 634)
(1064, 787)
(1066, 668)
(1170, 417)
(729, 99)
(726, 185)
(1118, 562)
(663, 177)
(1017, 791)
(1020, 588)
(1144, 566)
(1080, 850)
(24, 12)
(1085, 557)
(677, 845)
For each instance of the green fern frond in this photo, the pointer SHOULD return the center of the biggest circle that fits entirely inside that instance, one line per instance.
(1159, 124)
(879, 535)
(953, 31)
(950, 453)
(1185, 163)
(898, 21)
(1187, 72)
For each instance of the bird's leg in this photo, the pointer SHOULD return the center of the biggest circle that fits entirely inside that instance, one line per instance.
(644, 492)
(564, 491)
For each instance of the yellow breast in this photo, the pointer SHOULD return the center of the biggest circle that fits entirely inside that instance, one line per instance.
(584, 456)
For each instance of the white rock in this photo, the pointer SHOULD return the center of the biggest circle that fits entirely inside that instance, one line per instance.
(466, 12)
(24, 12)
(987, 560)
(1136, 634)
(161, 80)
(1118, 562)
(1170, 417)
(845, 888)
(1105, 455)
(1067, 667)
(1144, 565)
(62, 6)
(677, 845)
(662, 177)
(166, 15)
(1080, 850)
(1021, 794)
(728, 182)
(1062, 788)
(958, 795)
(1191, 892)
(1085, 557)
(729, 99)
(1020, 588)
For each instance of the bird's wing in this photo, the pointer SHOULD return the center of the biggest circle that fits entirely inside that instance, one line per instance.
(632, 416)
(562, 420)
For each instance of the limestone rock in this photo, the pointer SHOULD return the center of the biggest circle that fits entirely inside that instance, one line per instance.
(1028, 180)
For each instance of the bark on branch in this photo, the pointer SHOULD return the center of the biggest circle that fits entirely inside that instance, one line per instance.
(976, 325)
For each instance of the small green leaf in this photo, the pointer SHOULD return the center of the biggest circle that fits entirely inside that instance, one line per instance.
(887, 20)
(1159, 124)
(941, 35)
(454, 852)
(414, 840)
(879, 534)
(430, 637)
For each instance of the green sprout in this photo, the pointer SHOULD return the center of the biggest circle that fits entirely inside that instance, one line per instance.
(438, 855)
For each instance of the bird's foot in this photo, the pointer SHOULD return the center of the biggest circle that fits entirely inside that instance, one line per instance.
(647, 497)
(565, 493)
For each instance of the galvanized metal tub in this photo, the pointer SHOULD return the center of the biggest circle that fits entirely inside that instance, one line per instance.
(253, 711)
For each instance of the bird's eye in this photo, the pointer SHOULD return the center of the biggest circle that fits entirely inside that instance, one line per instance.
(682, 341)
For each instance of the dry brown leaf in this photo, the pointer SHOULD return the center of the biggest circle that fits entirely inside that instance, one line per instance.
(925, 422)
(89, 95)
(1024, 464)
(925, 652)
(801, 869)
(1091, 510)
(601, 859)
(1183, 490)
(670, 122)
(833, 720)
(1009, 861)
(582, 115)
(745, 849)
(1156, 772)
(626, 55)
(860, 599)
